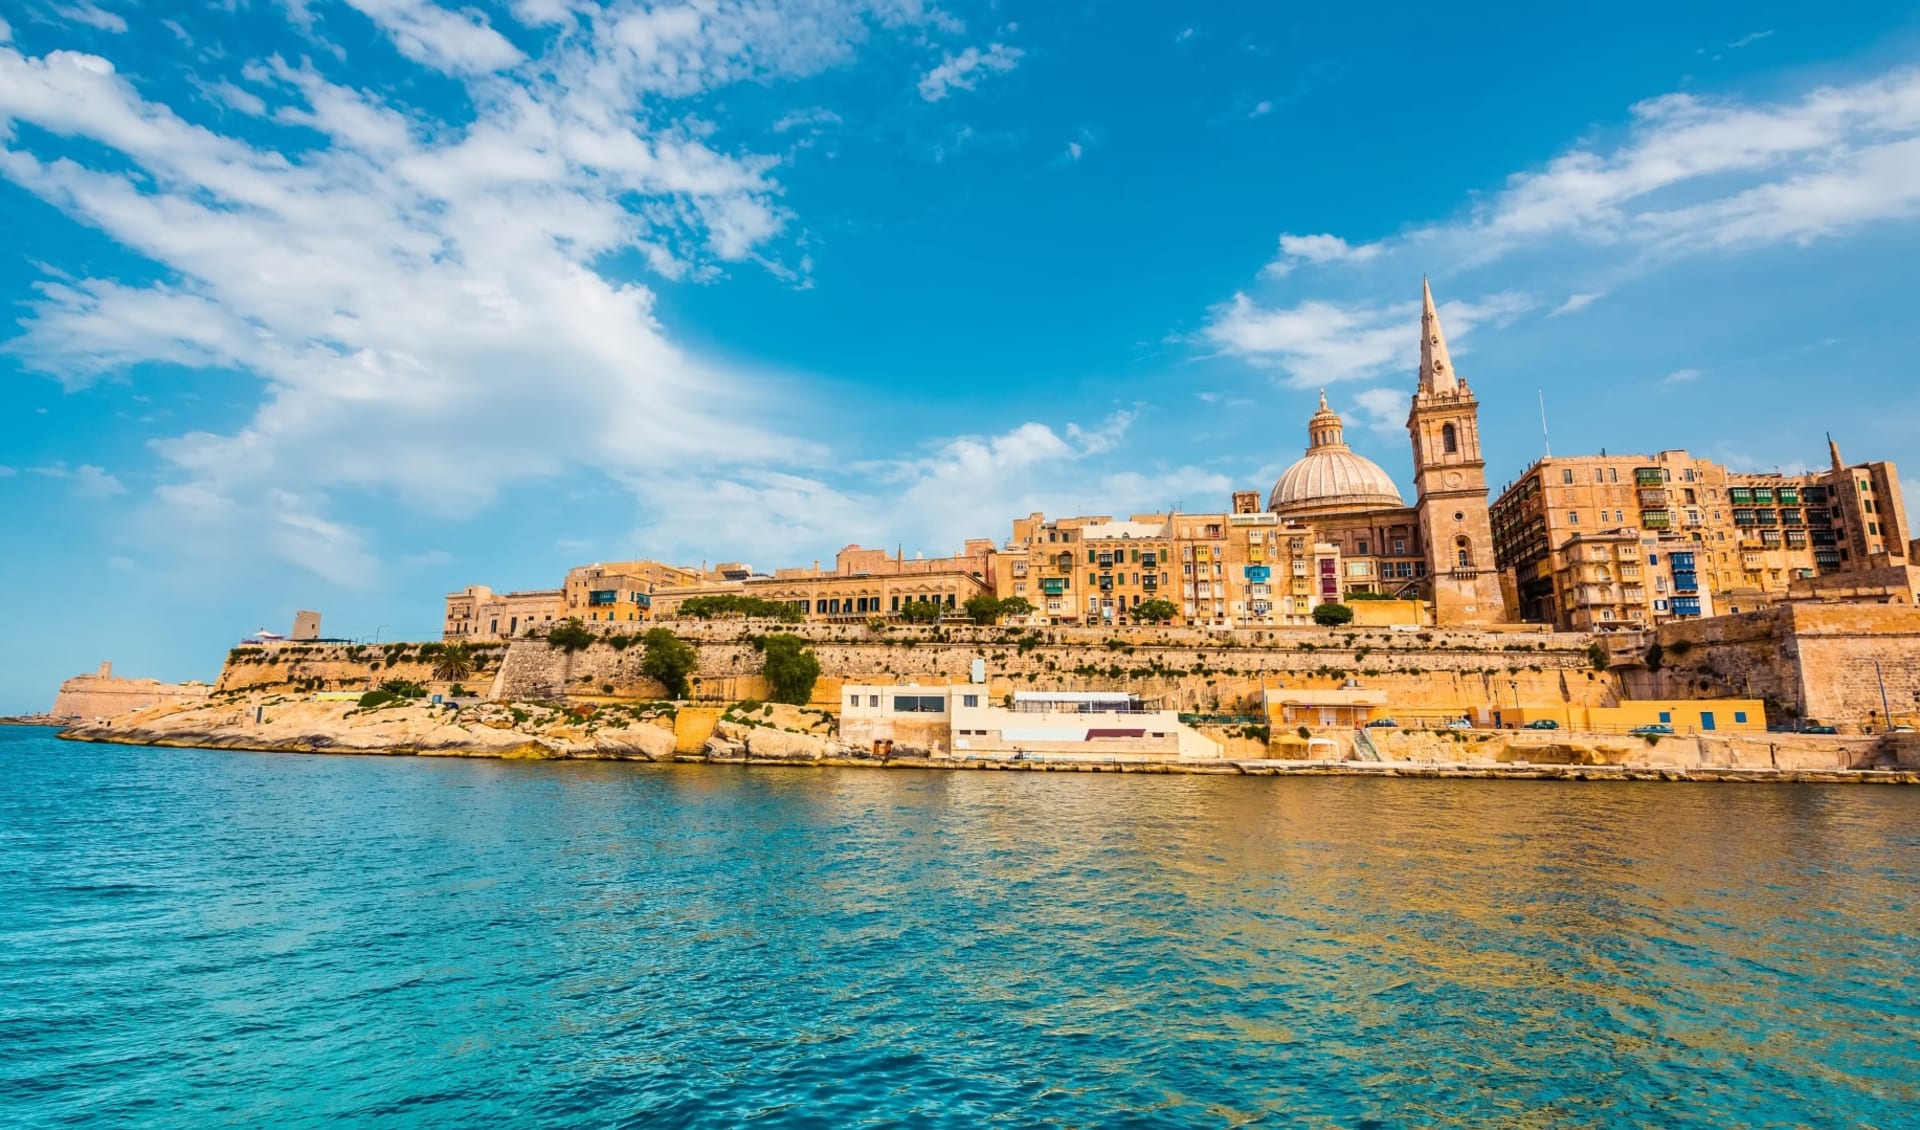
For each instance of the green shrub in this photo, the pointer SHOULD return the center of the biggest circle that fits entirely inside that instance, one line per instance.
(403, 688)
(1332, 615)
(570, 635)
(791, 669)
(734, 604)
(1155, 611)
(378, 698)
(668, 659)
(1597, 656)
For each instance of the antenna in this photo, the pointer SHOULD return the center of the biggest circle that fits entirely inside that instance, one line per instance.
(1545, 440)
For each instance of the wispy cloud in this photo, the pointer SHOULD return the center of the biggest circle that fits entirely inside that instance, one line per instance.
(87, 480)
(1577, 302)
(1319, 343)
(1681, 377)
(1692, 175)
(93, 16)
(409, 291)
(1318, 250)
(965, 70)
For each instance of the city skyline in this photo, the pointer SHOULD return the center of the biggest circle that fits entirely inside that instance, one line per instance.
(885, 275)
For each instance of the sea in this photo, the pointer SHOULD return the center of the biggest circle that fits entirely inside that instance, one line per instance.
(210, 938)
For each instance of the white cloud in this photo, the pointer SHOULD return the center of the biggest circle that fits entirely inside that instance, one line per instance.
(1260, 109)
(420, 301)
(459, 43)
(1319, 343)
(963, 71)
(1383, 409)
(1318, 250)
(1681, 377)
(1186, 33)
(1693, 174)
(1074, 150)
(7, 472)
(1577, 302)
(93, 16)
(87, 480)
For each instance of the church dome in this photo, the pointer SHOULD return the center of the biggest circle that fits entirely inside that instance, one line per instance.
(1331, 478)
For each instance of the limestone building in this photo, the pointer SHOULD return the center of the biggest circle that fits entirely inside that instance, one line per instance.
(1441, 547)
(1753, 536)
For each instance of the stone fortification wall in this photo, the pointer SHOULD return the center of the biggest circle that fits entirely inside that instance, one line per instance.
(1814, 662)
(1185, 668)
(102, 695)
(346, 667)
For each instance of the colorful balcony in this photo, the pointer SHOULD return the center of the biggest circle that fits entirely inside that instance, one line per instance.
(1649, 477)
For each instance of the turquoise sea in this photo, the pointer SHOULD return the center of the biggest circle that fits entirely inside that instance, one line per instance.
(197, 938)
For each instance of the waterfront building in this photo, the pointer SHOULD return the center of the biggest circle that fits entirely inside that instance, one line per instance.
(1754, 535)
(478, 614)
(961, 720)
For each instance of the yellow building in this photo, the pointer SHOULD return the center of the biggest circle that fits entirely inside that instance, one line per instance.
(864, 584)
(1685, 716)
(1753, 535)
(620, 591)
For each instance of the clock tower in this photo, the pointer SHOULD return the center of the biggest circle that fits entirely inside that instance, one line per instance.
(1450, 479)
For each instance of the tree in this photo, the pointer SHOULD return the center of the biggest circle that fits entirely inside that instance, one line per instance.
(982, 608)
(1016, 606)
(668, 660)
(734, 604)
(455, 662)
(1597, 657)
(1158, 610)
(570, 635)
(1331, 615)
(791, 669)
(922, 611)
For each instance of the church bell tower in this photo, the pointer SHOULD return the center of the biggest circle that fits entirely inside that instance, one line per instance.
(1450, 478)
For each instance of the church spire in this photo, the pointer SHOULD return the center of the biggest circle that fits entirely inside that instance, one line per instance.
(1436, 368)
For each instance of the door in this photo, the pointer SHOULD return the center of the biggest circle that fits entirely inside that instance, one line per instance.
(1706, 719)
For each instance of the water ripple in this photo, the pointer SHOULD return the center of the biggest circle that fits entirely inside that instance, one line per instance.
(207, 938)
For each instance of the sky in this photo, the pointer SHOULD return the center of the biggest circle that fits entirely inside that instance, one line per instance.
(345, 304)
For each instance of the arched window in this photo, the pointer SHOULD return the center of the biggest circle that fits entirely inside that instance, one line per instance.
(1449, 440)
(1463, 552)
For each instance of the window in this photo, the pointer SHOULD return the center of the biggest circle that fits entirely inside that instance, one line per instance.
(873, 700)
(969, 700)
(1613, 474)
(1360, 547)
(1449, 440)
(919, 704)
(1666, 716)
(1399, 546)
(1463, 552)
(1739, 716)
(1566, 476)
(1573, 517)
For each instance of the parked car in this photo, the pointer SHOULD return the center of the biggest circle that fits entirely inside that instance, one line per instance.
(1542, 724)
(1654, 730)
(1383, 724)
(1460, 724)
(1820, 730)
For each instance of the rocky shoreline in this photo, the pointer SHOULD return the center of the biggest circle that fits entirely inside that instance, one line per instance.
(769, 737)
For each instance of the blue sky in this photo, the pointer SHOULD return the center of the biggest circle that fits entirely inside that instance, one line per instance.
(343, 304)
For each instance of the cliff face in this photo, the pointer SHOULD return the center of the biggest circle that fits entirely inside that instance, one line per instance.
(103, 695)
(298, 725)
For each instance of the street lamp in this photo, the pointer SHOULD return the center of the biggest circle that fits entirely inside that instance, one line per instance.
(378, 630)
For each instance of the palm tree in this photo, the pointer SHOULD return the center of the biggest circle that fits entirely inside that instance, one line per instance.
(455, 662)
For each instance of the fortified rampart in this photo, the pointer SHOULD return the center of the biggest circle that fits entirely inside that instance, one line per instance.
(1841, 664)
(1190, 669)
(103, 695)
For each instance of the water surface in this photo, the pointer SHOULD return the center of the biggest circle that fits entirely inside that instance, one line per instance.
(211, 938)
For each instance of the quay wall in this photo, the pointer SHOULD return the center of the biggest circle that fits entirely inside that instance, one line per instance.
(1846, 665)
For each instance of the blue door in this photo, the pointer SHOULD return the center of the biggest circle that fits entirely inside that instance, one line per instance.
(1706, 719)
